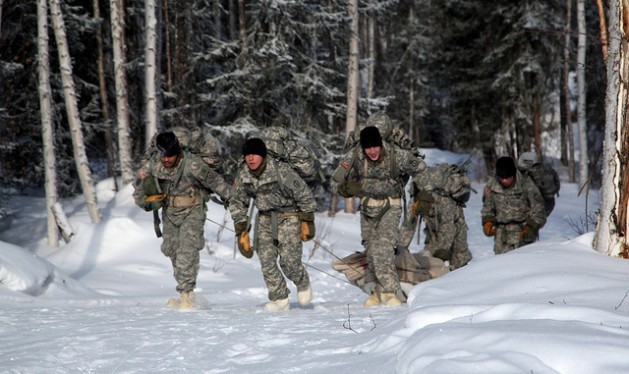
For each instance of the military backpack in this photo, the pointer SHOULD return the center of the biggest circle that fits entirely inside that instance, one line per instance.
(301, 155)
(196, 141)
(446, 180)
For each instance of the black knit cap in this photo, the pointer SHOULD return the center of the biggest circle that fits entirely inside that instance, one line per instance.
(370, 137)
(167, 144)
(254, 146)
(505, 167)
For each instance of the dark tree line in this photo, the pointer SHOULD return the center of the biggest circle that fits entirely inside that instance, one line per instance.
(462, 75)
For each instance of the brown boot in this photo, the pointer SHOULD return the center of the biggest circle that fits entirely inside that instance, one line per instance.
(373, 300)
(390, 299)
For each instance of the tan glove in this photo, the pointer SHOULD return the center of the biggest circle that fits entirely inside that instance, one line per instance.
(307, 226)
(307, 231)
(244, 245)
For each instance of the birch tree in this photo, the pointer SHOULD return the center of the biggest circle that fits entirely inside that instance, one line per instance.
(581, 100)
(45, 110)
(72, 110)
(352, 83)
(150, 71)
(611, 230)
(122, 104)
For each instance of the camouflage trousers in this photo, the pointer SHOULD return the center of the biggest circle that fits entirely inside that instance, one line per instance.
(446, 230)
(507, 237)
(182, 241)
(379, 231)
(288, 249)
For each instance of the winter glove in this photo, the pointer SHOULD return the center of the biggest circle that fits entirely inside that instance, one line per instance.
(442, 254)
(241, 227)
(489, 226)
(244, 245)
(350, 189)
(529, 233)
(423, 203)
(307, 226)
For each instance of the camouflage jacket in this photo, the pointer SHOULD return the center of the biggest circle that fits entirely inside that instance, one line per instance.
(190, 178)
(383, 178)
(517, 204)
(278, 188)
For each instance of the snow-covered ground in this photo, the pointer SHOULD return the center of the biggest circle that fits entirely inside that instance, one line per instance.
(97, 305)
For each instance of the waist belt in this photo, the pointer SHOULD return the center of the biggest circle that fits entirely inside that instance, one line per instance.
(373, 202)
(510, 223)
(184, 201)
(278, 214)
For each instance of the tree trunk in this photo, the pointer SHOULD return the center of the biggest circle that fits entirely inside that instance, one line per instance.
(611, 230)
(242, 29)
(169, 62)
(102, 85)
(45, 104)
(603, 28)
(185, 100)
(567, 150)
(371, 51)
(69, 92)
(122, 104)
(150, 71)
(352, 84)
(581, 110)
(537, 128)
(1, 18)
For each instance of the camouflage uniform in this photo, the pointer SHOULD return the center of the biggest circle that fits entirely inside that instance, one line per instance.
(184, 211)
(382, 187)
(512, 208)
(446, 230)
(280, 194)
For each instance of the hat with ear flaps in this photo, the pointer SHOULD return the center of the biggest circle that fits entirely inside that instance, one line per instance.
(370, 137)
(505, 167)
(167, 144)
(254, 146)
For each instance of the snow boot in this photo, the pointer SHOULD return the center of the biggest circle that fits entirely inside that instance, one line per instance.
(186, 301)
(390, 299)
(304, 297)
(280, 305)
(373, 300)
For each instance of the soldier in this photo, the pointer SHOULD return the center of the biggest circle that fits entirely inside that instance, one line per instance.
(376, 175)
(446, 229)
(285, 218)
(513, 208)
(182, 181)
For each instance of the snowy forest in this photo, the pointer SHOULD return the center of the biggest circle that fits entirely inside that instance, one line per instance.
(90, 82)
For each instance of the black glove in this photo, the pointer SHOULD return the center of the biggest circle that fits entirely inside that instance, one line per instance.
(350, 189)
(442, 254)
(529, 233)
(423, 203)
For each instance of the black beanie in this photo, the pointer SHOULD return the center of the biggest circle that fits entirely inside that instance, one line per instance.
(167, 144)
(505, 167)
(370, 137)
(254, 146)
